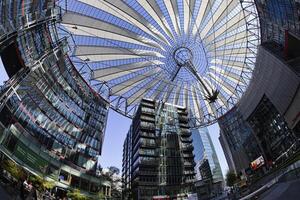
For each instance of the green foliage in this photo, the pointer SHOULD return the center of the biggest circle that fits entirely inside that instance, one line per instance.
(48, 184)
(100, 196)
(16, 171)
(40, 183)
(114, 179)
(76, 195)
(231, 178)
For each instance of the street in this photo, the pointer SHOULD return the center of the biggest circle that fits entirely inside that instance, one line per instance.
(3, 194)
(283, 191)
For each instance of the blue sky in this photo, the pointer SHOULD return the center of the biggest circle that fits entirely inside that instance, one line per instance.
(116, 130)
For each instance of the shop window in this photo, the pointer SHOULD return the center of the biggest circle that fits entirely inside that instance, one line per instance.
(63, 176)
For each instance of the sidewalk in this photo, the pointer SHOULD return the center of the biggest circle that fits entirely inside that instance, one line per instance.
(3, 194)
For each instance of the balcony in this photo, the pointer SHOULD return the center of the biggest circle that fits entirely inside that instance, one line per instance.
(185, 132)
(184, 125)
(182, 112)
(144, 173)
(189, 181)
(190, 172)
(147, 146)
(145, 183)
(186, 139)
(148, 111)
(147, 118)
(188, 163)
(148, 104)
(189, 155)
(147, 134)
(147, 126)
(187, 147)
(183, 119)
(152, 161)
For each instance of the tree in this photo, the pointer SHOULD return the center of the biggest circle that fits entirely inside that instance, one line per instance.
(16, 171)
(76, 195)
(100, 196)
(231, 178)
(114, 170)
(41, 184)
(112, 175)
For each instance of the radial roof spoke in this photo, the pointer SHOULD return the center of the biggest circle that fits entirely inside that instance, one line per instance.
(131, 82)
(111, 34)
(231, 24)
(148, 48)
(121, 10)
(138, 95)
(160, 16)
(98, 73)
(98, 50)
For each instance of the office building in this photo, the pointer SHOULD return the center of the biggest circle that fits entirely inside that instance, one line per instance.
(238, 141)
(209, 180)
(269, 109)
(51, 122)
(158, 148)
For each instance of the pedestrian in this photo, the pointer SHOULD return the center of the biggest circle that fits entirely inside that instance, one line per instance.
(22, 190)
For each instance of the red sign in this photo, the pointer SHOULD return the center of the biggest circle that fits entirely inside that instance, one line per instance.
(257, 163)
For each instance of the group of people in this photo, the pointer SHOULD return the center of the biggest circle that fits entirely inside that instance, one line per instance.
(27, 191)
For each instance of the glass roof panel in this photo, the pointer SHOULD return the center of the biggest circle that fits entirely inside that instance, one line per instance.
(193, 53)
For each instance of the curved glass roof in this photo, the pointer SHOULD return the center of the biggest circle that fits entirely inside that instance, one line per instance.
(193, 53)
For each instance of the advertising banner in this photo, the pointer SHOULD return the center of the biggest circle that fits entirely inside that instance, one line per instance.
(257, 163)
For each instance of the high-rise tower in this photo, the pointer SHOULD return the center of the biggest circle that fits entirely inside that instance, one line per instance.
(208, 169)
(162, 162)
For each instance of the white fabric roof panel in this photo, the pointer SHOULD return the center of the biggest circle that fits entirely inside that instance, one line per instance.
(133, 47)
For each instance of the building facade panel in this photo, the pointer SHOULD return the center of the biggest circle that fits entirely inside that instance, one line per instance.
(273, 78)
(239, 142)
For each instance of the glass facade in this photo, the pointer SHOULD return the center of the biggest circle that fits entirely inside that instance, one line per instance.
(52, 122)
(277, 140)
(209, 182)
(240, 141)
(159, 149)
(204, 149)
(277, 16)
(16, 13)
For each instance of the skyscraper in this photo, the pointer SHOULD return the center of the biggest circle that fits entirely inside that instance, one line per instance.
(51, 121)
(208, 169)
(159, 143)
